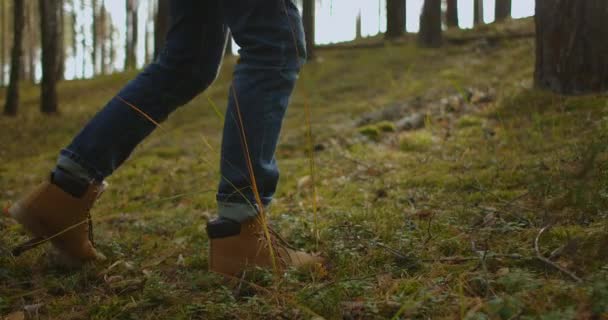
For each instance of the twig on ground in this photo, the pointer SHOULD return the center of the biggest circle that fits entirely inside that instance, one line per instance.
(542, 258)
(391, 250)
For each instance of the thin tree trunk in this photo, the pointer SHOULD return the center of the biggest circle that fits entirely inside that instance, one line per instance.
(112, 49)
(74, 38)
(28, 68)
(12, 95)
(430, 25)
(49, 33)
(149, 31)
(358, 33)
(135, 38)
(61, 41)
(161, 26)
(395, 18)
(2, 42)
(103, 25)
(571, 46)
(308, 19)
(452, 14)
(83, 43)
(478, 12)
(502, 10)
(131, 39)
(94, 30)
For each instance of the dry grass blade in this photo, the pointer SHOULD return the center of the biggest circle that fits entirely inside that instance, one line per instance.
(262, 215)
(141, 112)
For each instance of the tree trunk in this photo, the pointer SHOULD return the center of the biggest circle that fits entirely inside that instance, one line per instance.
(308, 19)
(83, 43)
(149, 14)
(49, 32)
(571, 47)
(111, 48)
(430, 25)
(102, 36)
(28, 69)
(395, 18)
(358, 33)
(478, 12)
(451, 16)
(131, 45)
(2, 42)
(503, 9)
(61, 41)
(74, 38)
(95, 33)
(12, 95)
(161, 26)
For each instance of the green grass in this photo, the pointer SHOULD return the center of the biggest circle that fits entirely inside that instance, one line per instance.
(437, 223)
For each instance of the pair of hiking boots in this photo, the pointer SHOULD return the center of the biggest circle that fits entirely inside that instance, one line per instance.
(61, 215)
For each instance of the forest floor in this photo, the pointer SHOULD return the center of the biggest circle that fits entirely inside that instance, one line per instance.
(488, 201)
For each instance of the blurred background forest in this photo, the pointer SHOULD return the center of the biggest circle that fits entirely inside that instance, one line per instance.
(106, 36)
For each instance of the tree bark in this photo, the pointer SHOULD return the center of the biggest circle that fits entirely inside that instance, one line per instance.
(111, 48)
(430, 25)
(149, 19)
(571, 46)
(74, 39)
(95, 33)
(451, 16)
(308, 19)
(61, 41)
(358, 32)
(12, 95)
(502, 10)
(395, 18)
(83, 43)
(161, 26)
(478, 12)
(103, 25)
(2, 41)
(49, 33)
(131, 45)
(28, 69)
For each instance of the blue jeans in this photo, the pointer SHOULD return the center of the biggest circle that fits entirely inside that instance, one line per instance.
(271, 38)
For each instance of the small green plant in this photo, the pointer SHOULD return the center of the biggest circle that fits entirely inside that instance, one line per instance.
(386, 126)
(469, 121)
(371, 131)
(416, 141)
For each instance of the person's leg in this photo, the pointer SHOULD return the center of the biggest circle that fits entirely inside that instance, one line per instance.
(187, 65)
(271, 38)
(58, 210)
(272, 52)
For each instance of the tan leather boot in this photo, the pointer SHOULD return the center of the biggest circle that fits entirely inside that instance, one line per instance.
(236, 247)
(51, 214)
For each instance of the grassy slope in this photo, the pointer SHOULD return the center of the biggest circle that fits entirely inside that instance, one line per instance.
(438, 223)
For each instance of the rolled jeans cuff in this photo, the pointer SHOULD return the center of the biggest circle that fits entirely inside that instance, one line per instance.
(236, 211)
(73, 163)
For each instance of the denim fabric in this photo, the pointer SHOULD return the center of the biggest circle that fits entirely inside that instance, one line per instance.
(271, 38)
